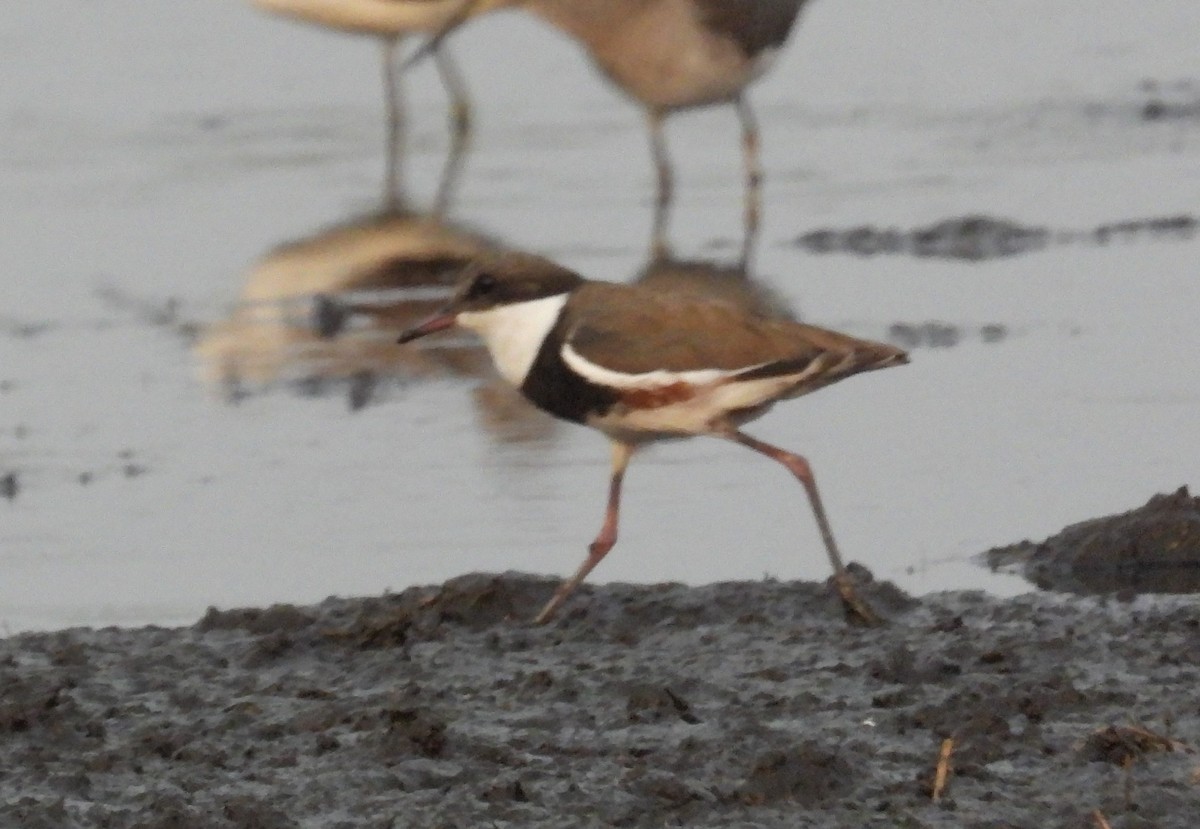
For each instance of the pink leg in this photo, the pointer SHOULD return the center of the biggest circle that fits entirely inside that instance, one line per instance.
(392, 94)
(460, 128)
(665, 183)
(754, 177)
(856, 609)
(598, 549)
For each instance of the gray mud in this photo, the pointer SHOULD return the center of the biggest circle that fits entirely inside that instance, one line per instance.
(1152, 549)
(737, 704)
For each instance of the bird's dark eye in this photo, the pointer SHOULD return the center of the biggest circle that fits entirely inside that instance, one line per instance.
(483, 285)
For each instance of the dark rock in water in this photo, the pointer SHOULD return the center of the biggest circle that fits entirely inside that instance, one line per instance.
(937, 334)
(930, 334)
(993, 332)
(868, 241)
(1176, 100)
(968, 237)
(1182, 227)
(1152, 549)
(976, 238)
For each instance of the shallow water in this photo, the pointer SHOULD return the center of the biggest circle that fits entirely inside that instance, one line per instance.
(151, 160)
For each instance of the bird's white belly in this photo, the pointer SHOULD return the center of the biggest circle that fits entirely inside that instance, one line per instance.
(712, 407)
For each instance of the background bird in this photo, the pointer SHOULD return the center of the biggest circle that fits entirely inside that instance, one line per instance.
(671, 55)
(392, 21)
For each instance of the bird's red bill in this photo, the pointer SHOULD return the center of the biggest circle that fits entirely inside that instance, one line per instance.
(438, 322)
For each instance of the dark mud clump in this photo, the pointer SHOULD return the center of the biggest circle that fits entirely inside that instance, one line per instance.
(979, 237)
(729, 705)
(937, 334)
(1173, 100)
(1152, 549)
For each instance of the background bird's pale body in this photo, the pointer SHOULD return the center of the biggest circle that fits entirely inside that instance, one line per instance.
(374, 17)
(658, 51)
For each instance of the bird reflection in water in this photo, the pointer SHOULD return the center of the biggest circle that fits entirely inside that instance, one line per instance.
(728, 282)
(322, 313)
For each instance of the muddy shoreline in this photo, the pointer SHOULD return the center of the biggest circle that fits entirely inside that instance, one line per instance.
(734, 704)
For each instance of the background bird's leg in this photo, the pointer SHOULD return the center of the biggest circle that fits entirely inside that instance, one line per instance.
(856, 609)
(621, 453)
(665, 193)
(393, 196)
(754, 177)
(460, 127)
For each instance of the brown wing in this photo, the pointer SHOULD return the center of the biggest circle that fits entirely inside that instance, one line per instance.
(635, 330)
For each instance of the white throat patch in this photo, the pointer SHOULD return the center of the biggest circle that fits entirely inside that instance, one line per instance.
(514, 333)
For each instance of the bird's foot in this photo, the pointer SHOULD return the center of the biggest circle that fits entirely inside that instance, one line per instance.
(858, 611)
(551, 607)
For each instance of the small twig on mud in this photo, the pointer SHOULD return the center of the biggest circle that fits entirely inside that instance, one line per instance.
(942, 773)
(1101, 820)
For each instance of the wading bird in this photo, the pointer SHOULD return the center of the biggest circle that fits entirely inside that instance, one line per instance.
(641, 365)
(671, 55)
(392, 21)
